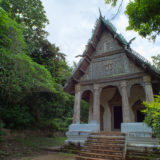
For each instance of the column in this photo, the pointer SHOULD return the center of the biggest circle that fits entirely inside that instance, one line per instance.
(125, 103)
(96, 104)
(77, 100)
(90, 108)
(148, 88)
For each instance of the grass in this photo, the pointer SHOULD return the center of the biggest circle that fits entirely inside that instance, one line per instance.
(52, 156)
(40, 142)
(19, 147)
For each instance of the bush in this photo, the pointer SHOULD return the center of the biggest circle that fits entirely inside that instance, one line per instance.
(50, 125)
(152, 115)
(17, 117)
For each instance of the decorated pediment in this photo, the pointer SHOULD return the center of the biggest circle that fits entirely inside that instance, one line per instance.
(107, 44)
(112, 65)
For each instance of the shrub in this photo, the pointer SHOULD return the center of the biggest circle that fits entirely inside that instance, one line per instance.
(50, 125)
(17, 117)
(152, 115)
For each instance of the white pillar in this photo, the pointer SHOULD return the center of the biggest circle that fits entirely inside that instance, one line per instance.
(125, 103)
(96, 104)
(77, 100)
(90, 108)
(148, 88)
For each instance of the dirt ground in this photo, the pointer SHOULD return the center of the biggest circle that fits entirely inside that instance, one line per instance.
(51, 156)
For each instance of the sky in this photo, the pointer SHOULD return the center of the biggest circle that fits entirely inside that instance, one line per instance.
(72, 22)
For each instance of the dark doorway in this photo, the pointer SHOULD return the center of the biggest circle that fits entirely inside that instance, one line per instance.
(140, 116)
(117, 117)
(101, 118)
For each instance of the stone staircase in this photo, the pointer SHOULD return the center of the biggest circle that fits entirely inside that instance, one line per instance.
(103, 146)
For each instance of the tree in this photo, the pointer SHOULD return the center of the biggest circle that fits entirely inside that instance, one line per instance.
(144, 17)
(32, 70)
(54, 61)
(20, 75)
(11, 37)
(156, 61)
(31, 15)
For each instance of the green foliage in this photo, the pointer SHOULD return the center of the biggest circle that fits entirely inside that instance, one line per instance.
(57, 124)
(144, 17)
(17, 117)
(55, 62)
(28, 146)
(32, 70)
(11, 37)
(41, 142)
(50, 125)
(152, 115)
(156, 61)
(32, 16)
(113, 2)
(26, 83)
(21, 76)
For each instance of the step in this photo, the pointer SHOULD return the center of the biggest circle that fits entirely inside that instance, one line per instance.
(107, 137)
(93, 155)
(102, 151)
(108, 133)
(117, 148)
(105, 141)
(98, 155)
(105, 144)
(88, 158)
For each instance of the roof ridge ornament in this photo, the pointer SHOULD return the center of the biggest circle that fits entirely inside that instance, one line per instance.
(100, 14)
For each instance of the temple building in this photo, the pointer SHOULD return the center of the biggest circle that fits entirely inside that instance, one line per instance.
(114, 80)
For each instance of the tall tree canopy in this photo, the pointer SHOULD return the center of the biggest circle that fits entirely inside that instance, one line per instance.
(144, 16)
(33, 71)
(32, 16)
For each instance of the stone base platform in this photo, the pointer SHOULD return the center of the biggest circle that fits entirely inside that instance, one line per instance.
(78, 133)
(137, 129)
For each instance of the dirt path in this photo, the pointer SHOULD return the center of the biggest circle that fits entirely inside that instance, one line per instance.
(52, 156)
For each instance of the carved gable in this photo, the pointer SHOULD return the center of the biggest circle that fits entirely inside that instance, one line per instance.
(103, 66)
(106, 44)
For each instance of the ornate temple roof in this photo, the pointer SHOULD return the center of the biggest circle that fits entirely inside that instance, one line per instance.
(101, 25)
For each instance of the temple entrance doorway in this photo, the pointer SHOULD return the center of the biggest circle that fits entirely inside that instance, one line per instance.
(101, 118)
(117, 117)
(111, 113)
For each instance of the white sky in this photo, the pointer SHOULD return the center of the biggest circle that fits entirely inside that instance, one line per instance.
(72, 21)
